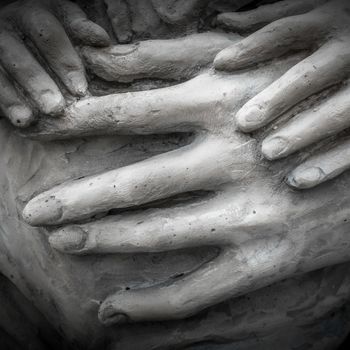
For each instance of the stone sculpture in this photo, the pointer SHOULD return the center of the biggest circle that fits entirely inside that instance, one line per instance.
(207, 193)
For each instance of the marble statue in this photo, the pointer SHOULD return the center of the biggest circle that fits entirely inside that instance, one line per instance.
(175, 173)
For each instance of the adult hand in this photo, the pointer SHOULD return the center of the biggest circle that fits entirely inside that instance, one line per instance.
(258, 246)
(325, 30)
(35, 31)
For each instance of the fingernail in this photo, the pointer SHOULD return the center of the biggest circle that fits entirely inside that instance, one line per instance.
(77, 83)
(20, 116)
(224, 60)
(42, 211)
(249, 118)
(306, 178)
(52, 102)
(68, 239)
(274, 148)
(108, 316)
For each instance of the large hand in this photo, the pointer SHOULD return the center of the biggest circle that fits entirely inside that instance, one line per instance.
(31, 31)
(257, 246)
(324, 30)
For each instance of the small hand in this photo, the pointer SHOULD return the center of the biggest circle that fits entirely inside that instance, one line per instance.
(34, 26)
(326, 31)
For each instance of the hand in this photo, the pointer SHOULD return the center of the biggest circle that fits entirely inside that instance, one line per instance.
(153, 18)
(133, 17)
(250, 21)
(258, 247)
(325, 30)
(31, 26)
(301, 306)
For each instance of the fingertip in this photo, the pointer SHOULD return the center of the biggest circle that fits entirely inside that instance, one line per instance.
(77, 83)
(233, 58)
(224, 60)
(109, 315)
(250, 117)
(69, 239)
(42, 210)
(90, 33)
(305, 178)
(21, 116)
(51, 102)
(275, 147)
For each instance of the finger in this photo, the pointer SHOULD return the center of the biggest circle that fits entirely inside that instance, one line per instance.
(173, 59)
(321, 168)
(23, 67)
(49, 37)
(150, 231)
(317, 72)
(252, 20)
(202, 103)
(233, 273)
(79, 27)
(120, 17)
(310, 126)
(272, 41)
(229, 315)
(12, 104)
(170, 229)
(180, 108)
(196, 167)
